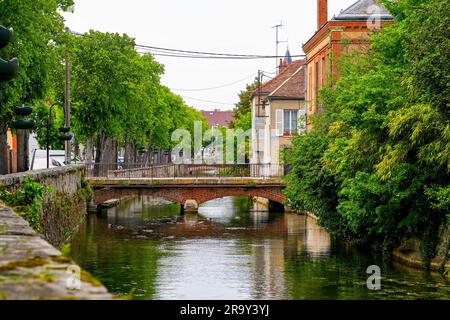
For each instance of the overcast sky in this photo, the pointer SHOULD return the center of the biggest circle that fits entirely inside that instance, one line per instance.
(223, 26)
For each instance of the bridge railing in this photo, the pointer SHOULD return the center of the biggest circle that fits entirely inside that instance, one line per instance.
(136, 170)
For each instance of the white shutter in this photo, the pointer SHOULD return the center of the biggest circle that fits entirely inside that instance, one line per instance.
(301, 121)
(279, 122)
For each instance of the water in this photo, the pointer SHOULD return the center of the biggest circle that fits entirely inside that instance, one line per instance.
(229, 252)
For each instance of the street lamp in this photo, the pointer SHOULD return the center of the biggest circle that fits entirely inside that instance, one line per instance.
(63, 130)
(23, 111)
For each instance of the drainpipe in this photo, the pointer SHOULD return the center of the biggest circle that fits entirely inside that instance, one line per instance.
(306, 91)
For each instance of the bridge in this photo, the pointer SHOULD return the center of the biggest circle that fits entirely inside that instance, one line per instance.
(187, 185)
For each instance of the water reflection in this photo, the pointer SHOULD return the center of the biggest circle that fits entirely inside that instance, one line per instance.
(231, 252)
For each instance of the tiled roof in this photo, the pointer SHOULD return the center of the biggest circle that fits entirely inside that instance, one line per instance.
(289, 83)
(363, 10)
(218, 118)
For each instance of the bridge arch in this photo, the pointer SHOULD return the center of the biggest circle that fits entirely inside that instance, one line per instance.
(181, 195)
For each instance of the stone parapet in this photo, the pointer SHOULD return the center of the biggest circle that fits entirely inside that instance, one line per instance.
(32, 269)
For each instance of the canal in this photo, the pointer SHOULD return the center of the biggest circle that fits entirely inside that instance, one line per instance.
(145, 249)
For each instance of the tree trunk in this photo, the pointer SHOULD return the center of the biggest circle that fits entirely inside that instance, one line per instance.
(89, 152)
(3, 148)
(130, 154)
(22, 150)
(149, 154)
(76, 149)
(105, 154)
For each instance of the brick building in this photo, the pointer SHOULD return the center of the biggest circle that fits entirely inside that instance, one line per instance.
(344, 33)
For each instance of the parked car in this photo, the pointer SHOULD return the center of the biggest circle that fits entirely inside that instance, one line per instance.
(39, 159)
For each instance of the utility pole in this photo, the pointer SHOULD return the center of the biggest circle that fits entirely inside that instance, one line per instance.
(67, 110)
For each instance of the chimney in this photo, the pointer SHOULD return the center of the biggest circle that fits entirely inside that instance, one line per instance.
(282, 66)
(322, 13)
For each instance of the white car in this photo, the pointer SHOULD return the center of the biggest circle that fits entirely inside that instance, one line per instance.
(39, 159)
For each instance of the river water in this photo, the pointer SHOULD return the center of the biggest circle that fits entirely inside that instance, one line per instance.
(147, 250)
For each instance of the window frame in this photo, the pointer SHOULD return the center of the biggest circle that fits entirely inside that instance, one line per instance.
(291, 130)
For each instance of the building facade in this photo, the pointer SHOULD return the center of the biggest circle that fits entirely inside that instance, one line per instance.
(345, 33)
(278, 113)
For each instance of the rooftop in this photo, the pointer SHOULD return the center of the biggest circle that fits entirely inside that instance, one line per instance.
(219, 118)
(362, 10)
(289, 83)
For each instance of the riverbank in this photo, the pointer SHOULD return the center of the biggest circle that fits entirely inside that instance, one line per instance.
(409, 253)
(32, 269)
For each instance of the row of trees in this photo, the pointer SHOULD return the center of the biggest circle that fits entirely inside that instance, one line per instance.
(377, 164)
(118, 101)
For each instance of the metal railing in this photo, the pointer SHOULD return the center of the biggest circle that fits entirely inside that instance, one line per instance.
(136, 170)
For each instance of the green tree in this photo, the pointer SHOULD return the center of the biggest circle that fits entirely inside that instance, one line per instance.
(38, 27)
(243, 108)
(376, 167)
(110, 82)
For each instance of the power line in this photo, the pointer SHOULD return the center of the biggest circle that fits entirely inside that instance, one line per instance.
(218, 87)
(197, 52)
(219, 57)
(215, 57)
(209, 101)
(188, 54)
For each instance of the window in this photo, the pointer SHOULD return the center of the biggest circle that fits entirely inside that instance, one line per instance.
(316, 91)
(290, 122)
(324, 72)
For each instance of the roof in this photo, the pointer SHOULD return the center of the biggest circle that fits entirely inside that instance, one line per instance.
(218, 118)
(363, 10)
(289, 83)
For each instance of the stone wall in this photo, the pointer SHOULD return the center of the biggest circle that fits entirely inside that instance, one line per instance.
(409, 252)
(31, 269)
(60, 179)
(65, 200)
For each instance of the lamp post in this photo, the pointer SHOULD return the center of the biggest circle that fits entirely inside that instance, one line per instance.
(49, 121)
(23, 124)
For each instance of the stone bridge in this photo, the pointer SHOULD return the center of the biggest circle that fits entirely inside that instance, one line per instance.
(188, 192)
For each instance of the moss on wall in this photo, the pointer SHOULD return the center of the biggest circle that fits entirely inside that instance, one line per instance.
(63, 206)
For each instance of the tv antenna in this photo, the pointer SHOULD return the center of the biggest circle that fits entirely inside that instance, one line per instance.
(277, 41)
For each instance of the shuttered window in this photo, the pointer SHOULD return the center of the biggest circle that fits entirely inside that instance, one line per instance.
(279, 122)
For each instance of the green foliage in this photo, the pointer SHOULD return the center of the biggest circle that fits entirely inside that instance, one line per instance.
(37, 28)
(117, 92)
(40, 117)
(377, 165)
(27, 202)
(244, 107)
(66, 249)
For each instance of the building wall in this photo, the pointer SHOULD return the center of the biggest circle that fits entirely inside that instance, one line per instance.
(270, 143)
(329, 44)
(258, 133)
(277, 144)
(12, 152)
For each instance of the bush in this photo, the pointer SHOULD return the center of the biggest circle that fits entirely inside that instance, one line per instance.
(27, 202)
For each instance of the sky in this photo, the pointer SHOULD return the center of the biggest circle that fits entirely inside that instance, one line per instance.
(222, 26)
